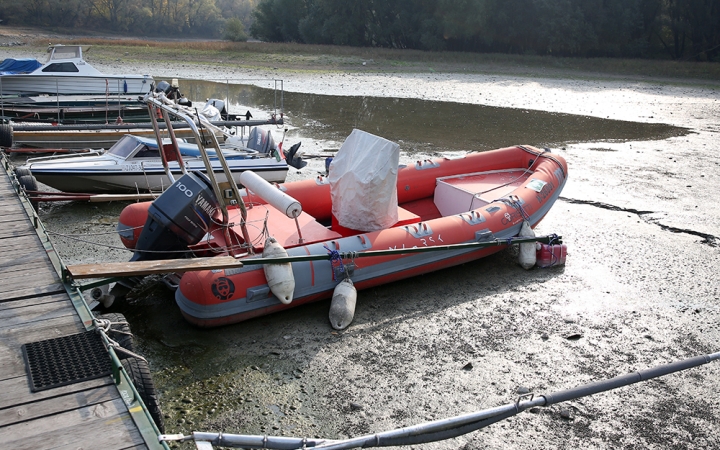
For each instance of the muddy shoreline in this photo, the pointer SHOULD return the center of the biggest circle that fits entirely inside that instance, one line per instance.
(640, 288)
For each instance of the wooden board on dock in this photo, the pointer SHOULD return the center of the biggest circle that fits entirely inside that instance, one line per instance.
(138, 268)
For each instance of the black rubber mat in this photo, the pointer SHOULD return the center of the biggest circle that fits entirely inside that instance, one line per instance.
(66, 360)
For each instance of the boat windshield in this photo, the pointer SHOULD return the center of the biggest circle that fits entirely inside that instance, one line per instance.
(65, 52)
(124, 147)
(147, 152)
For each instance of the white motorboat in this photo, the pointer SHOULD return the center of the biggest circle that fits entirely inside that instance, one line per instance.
(67, 73)
(134, 164)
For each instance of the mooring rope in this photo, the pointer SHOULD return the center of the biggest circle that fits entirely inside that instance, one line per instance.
(104, 327)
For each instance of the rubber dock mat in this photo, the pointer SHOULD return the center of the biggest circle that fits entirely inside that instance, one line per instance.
(65, 360)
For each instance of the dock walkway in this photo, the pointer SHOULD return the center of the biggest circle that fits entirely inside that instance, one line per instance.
(36, 305)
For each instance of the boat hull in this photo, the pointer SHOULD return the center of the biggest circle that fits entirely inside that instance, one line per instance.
(151, 178)
(215, 298)
(37, 84)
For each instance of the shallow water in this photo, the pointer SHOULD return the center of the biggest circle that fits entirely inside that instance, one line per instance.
(426, 125)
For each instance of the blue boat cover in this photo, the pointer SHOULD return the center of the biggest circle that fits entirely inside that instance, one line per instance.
(12, 66)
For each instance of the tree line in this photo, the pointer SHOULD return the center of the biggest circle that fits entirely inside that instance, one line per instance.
(172, 18)
(679, 29)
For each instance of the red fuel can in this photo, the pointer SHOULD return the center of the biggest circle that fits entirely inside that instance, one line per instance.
(550, 255)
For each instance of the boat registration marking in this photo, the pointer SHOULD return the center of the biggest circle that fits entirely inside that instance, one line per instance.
(424, 242)
(131, 167)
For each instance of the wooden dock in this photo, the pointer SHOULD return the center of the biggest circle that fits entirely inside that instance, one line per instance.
(37, 305)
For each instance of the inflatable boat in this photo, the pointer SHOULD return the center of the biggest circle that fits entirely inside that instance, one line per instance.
(327, 228)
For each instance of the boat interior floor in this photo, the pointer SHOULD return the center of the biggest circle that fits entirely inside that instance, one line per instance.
(453, 195)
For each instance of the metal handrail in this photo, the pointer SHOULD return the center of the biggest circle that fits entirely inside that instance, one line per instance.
(158, 101)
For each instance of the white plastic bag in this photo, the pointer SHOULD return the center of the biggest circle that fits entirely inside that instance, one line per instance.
(363, 182)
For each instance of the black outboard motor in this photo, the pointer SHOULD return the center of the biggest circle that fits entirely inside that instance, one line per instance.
(260, 140)
(293, 159)
(164, 86)
(172, 91)
(179, 217)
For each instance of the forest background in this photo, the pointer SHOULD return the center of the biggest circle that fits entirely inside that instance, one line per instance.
(681, 30)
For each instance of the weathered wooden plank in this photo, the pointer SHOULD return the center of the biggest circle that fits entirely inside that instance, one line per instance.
(10, 201)
(30, 264)
(14, 229)
(86, 427)
(23, 303)
(30, 411)
(13, 211)
(13, 205)
(25, 258)
(16, 391)
(35, 313)
(136, 268)
(45, 324)
(20, 279)
(13, 365)
(41, 275)
(19, 291)
(31, 241)
(27, 242)
(12, 216)
(7, 190)
(34, 265)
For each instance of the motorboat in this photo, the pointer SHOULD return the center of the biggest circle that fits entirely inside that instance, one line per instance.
(67, 73)
(26, 137)
(67, 109)
(100, 122)
(139, 164)
(94, 109)
(133, 164)
(369, 222)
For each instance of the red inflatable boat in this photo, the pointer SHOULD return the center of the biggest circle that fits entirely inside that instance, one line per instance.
(439, 202)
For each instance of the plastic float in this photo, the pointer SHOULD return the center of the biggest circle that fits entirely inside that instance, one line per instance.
(369, 221)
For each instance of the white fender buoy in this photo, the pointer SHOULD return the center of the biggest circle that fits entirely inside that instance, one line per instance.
(342, 306)
(279, 276)
(527, 256)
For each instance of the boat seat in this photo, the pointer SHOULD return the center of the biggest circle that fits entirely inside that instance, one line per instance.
(462, 193)
(405, 217)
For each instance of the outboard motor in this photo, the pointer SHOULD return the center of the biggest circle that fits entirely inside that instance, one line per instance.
(220, 105)
(295, 160)
(164, 86)
(261, 140)
(181, 216)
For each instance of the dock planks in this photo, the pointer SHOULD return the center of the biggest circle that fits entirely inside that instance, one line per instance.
(34, 306)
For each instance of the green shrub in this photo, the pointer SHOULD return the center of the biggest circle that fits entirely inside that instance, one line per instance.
(235, 30)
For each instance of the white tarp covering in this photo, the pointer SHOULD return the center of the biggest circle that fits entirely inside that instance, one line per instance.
(363, 182)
